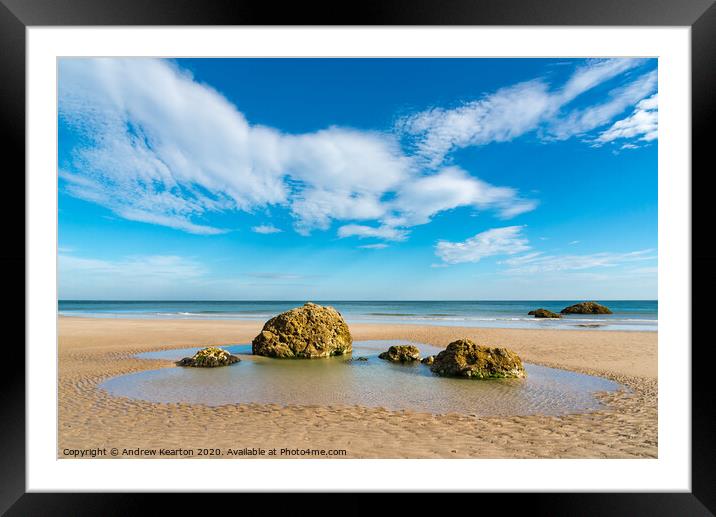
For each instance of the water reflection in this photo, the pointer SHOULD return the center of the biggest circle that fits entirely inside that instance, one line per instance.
(373, 383)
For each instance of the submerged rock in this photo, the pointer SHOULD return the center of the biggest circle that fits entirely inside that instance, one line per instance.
(304, 333)
(463, 358)
(401, 354)
(586, 308)
(353, 359)
(209, 357)
(543, 313)
(428, 360)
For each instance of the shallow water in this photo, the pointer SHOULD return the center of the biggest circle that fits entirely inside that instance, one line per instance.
(373, 383)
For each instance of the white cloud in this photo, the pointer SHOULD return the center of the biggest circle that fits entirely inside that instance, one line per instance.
(641, 124)
(540, 263)
(502, 116)
(497, 241)
(343, 175)
(418, 201)
(266, 229)
(156, 146)
(593, 74)
(582, 121)
(381, 232)
(377, 246)
(516, 110)
(161, 148)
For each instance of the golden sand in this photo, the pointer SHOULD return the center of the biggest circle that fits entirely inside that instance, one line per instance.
(93, 349)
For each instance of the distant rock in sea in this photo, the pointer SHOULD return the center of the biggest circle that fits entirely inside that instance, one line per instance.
(209, 357)
(586, 308)
(401, 354)
(305, 332)
(464, 358)
(543, 313)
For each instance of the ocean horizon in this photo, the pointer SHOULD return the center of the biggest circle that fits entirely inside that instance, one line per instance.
(627, 314)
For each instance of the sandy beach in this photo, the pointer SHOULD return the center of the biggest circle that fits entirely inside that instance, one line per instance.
(92, 350)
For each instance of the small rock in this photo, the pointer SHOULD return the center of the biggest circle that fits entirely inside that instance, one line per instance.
(209, 357)
(428, 360)
(401, 354)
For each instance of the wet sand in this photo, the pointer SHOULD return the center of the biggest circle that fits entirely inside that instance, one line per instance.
(93, 349)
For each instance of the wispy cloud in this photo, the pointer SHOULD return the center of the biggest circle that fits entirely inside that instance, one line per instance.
(266, 229)
(499, 117)
(377, 246)
(510, 241)
(389, 233)
(497, 241)
(511, 112)
(641, 124)
(140, 268)
(584, 120)
(540, 263)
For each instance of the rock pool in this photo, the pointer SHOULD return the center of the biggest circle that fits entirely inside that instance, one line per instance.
(373, 383)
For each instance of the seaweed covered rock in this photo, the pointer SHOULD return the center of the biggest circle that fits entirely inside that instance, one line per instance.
(543, 313)
(586, 308)
(463, 358)
(209, 357)
(304, 333)
(428, 360)
(401, 354)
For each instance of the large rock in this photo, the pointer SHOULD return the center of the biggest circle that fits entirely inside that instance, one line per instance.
(586, 308)
(543, 313)
(463, 358)
(209, 357)
(304, 333)
(401, 354)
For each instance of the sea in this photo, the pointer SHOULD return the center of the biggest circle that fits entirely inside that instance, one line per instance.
(627, 314)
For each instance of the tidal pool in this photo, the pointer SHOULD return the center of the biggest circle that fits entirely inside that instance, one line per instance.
(344, 381)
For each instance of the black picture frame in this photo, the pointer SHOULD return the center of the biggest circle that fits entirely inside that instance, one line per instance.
(700, 15)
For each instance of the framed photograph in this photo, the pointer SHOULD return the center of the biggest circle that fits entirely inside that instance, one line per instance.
(445, 249)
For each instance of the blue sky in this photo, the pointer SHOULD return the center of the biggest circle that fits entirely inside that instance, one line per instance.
(357, 179)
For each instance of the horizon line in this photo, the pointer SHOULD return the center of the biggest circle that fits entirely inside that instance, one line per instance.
(369, 300)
